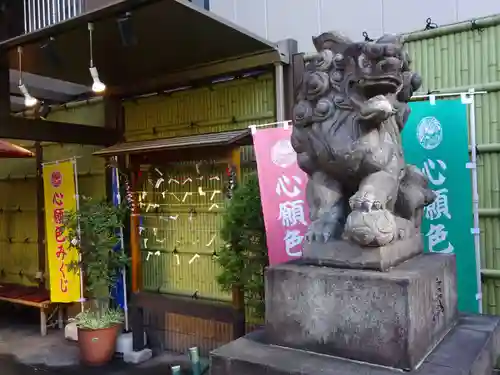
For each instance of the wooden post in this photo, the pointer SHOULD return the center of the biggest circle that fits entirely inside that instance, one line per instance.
(40, 209)
(238, 296)
(4, 85)
(11, 25)
(135, 248)
(288, 79)
(137, 327)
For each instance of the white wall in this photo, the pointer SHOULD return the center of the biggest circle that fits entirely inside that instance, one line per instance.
(301, 19)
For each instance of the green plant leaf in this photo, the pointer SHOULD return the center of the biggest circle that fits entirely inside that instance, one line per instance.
(93, 233)
(243, 258)
(90, 319)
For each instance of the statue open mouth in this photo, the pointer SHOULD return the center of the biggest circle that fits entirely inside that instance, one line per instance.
(382, 85)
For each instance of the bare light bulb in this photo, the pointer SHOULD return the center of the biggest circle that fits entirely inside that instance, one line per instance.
(29, 101)
(97, 86)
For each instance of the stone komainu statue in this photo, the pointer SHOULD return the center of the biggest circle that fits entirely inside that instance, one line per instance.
(351, 106)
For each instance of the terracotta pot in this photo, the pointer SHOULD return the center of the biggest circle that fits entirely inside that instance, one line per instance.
(97, 346)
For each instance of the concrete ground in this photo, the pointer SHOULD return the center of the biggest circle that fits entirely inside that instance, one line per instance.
(24, 352)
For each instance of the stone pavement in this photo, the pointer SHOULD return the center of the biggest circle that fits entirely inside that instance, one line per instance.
(11, 366)
(24, 352)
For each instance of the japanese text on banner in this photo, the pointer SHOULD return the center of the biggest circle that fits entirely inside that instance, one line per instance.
(60, 196)
(435, 139)
(437, 213)
(282, 189)
(291, 213)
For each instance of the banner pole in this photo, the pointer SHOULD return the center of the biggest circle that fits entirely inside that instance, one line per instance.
(73, 158)
(475, 195)
(279, 124)
(431, 96)
(77, 199)
(122, 248)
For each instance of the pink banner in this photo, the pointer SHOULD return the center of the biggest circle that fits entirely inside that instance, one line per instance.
(282, 190)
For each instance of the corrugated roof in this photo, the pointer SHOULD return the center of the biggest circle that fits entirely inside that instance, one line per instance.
(237, 137)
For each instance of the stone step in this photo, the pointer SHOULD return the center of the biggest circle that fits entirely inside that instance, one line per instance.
(471, 348)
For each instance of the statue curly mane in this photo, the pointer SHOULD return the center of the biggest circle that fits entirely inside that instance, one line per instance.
(351, 105)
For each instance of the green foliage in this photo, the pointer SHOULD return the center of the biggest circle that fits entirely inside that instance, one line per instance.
(98, 320)
(244, 256)
(93, 233)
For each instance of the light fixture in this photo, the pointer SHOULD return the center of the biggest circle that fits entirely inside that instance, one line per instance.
(29, 101)
(97, 85)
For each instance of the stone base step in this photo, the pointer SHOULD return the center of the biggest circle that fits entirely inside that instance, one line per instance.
(471, 348)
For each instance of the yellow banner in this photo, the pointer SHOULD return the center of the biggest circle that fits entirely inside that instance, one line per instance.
(60, 195)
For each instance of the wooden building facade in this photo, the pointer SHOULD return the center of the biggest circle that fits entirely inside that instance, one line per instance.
(178, 127)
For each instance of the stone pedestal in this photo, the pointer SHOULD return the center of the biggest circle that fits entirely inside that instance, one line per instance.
(342, 321)
(343, 254)
(470, 348)
(392, 318)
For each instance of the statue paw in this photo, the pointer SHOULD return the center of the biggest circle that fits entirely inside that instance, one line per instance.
(365, 201)
(371, 228)
(319, 231)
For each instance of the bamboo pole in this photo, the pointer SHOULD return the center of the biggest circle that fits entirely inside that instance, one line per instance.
(474, 24)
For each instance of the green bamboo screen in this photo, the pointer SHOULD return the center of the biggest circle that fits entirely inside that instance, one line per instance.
(179, 257)
(18, 223)
(454, 59)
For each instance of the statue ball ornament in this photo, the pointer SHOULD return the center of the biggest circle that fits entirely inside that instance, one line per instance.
(351, 106)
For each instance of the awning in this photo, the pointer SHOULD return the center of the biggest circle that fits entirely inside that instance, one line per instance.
(10, 150)
(171, 36)
(224, 139)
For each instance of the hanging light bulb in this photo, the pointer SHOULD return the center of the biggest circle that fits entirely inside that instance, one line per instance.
(97, 85)
(29, 101)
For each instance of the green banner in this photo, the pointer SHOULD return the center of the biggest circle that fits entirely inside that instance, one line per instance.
(435, 139)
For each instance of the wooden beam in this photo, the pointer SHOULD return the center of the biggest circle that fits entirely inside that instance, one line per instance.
(205, 309)
(15, 127)
(199, 74)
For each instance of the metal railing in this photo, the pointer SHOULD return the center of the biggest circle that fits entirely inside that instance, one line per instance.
(42, 13)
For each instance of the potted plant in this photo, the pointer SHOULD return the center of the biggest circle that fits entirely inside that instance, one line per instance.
(93, 232)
